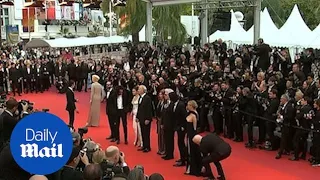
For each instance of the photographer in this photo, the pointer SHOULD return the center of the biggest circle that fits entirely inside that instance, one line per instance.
(25, 110)
(114, 165)
(69, 170)
(8, 121)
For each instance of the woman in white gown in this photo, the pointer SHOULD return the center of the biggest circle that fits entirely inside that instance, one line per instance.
(136, 125)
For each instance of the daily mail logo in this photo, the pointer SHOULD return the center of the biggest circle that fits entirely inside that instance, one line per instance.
(41, 143)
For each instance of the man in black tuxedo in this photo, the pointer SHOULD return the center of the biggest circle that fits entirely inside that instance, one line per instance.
(122, 102)
(144, 116)
(71, 69)
(8, 121)
(168, 124)
(14, 76)
(111, 109)
(262, 52)
(71, 102)
(214, 149)
(180, 115)
(38, 76)
(27, 73)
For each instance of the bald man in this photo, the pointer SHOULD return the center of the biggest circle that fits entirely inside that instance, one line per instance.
(214, 149)
(38, 177)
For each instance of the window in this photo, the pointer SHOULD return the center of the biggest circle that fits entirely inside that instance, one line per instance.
(5, 11)
(5, 17)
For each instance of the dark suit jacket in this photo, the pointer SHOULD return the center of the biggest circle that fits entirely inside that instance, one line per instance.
(7, 124)
(212, 145)
(9, 169)
(71, 101)
(145, 109)
(168, 120)
(288, 114)
(180, 115)
(111, 107)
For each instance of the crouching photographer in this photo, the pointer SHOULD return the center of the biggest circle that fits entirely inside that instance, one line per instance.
(114, 164)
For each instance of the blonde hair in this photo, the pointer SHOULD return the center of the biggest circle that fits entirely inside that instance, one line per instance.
(98, 157)
(193, 104)
(95, 78)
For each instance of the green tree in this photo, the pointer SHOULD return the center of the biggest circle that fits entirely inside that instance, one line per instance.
(135, 10)
(164, 16)
(280, 11)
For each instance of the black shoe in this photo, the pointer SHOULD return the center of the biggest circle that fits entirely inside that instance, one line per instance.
(118, 141)
(126, 142)
(250, 145)
(146, 150)
(113, 140)
(278, 156)
(110, 137)
(141, 149)
(179, 164)
(167, 158)
(179, 160)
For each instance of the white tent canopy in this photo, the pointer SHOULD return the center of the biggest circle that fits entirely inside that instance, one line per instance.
(315, 39)
(268, 28)
(294, 32)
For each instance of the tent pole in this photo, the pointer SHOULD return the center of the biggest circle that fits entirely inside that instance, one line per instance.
(257, 11)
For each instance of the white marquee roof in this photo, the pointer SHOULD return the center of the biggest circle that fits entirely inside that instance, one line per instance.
(294, 32)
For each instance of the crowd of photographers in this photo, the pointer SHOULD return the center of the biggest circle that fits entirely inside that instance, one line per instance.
(254, 85)
(88, 161)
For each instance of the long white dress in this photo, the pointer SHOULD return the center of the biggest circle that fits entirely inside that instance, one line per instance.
(136, 126)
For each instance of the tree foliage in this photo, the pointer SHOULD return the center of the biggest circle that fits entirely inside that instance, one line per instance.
(166, 20)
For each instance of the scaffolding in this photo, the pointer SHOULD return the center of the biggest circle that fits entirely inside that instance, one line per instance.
(204, 6)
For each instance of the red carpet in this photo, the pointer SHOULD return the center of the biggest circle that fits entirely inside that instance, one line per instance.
(242, 164)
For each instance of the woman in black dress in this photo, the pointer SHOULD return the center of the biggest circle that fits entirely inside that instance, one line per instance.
(194, 156)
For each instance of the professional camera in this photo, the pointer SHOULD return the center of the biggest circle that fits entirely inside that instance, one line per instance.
(45, 110)
(89, 148)
(111, 170)
(82, 131)
(25, 102)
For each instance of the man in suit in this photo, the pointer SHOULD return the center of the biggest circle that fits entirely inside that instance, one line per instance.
(14, 76)
(111, 109)
(168, 124)
(262, 52)
(27, 74)
(214, 149)
(180, 114)
(144, 117)
(286, 118)
(71, 102)
(122, 110)
(8, 121)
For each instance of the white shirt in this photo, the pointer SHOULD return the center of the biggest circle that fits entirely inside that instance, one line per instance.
(119, 102)
(140, 99)
(9, 112)
(70, 89)
(126, 66)
(108, 93)
(175, 106)
(28, 70)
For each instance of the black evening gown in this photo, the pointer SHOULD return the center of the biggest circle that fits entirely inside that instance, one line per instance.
(194, 163)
